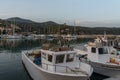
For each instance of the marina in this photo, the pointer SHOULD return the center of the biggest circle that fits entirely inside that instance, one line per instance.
(60, 40)
(11, 61)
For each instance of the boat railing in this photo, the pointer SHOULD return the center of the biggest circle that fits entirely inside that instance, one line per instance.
(56, 68)
(59, 68)
(106, 66)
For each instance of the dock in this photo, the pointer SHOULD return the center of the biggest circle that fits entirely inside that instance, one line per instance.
(94, 36)
(111, 79)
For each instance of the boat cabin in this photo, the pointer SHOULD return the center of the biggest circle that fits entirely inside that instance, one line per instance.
(100, 52)
(57, 59)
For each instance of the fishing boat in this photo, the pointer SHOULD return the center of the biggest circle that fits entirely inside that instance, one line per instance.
(55, 63)
(102, 56)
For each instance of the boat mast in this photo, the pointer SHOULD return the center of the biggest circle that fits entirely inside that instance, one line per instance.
(74, 27)
(104, 34)
(13, 27)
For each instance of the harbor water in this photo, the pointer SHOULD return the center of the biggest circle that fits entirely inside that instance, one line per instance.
(11, 67)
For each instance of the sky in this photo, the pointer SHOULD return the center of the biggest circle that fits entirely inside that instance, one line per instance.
(78, 12)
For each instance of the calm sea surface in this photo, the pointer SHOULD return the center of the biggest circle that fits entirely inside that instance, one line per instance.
(11, 67)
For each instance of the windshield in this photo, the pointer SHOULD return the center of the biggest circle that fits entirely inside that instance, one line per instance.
(102, 50)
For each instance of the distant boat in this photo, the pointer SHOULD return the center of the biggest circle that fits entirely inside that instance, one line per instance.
(13, 35)
(50, 37)
(55, 63)
(69, 37)
(40, 36)
(29, 37)
(103, 57)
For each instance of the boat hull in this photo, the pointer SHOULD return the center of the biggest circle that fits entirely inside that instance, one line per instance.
(105, 69)
(12, 37)
(38, 73)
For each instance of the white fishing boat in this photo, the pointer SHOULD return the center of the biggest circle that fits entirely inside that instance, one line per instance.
(104, 59)
(58, 63)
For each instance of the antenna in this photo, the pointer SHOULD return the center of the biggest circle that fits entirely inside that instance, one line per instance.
(59, 42)
(104, 34)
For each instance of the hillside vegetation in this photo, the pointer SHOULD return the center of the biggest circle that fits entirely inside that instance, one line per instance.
(55, 28)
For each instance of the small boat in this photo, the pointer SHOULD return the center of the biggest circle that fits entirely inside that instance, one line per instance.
(42, 36)
(69, 37)
(30, 37)
(50, 37)
(15, 36)
(104, 59)
(55, 63)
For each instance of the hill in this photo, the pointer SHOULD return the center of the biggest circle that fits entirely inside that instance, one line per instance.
(51, 27)
(17, 19)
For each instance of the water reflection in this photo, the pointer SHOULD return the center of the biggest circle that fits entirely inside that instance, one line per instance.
(18, 45)
(11, 67)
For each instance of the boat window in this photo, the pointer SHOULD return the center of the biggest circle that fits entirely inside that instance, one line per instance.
(104, 43)
(110, 43)
(50, 57)
(105, 51)
(60, 58)
(70, 57)
(93, 50)
(43, 55)
(100, 50)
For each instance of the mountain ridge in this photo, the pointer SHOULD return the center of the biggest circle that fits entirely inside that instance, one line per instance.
(18, 19)
(51, 27)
